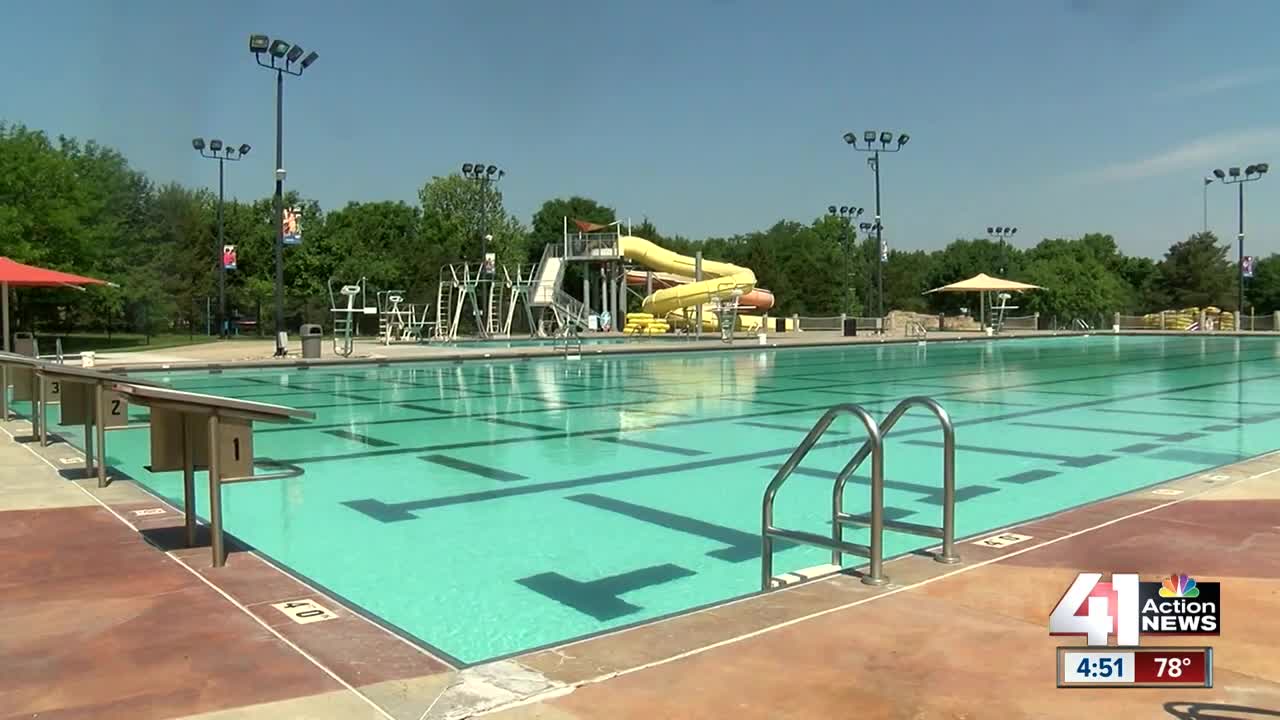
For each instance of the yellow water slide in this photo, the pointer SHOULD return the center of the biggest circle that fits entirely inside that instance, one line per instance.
(720, 279)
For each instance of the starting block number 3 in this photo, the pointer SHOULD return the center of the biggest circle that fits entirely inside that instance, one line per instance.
(304, 611)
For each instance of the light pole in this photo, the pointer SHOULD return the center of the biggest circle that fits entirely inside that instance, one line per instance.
(1233, 177)
(483, 176)
(1207, 183)
(847, 215)
(870, 137)
(286, 54)
(867, 228)
(1001, 235)
(217, 151)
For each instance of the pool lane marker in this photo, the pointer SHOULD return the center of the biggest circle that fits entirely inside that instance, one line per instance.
(557, 692)
(473, 468)
(656, 447)
(310, 658)
(357, 437)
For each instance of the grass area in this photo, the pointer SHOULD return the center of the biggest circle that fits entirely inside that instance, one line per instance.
(123, 342)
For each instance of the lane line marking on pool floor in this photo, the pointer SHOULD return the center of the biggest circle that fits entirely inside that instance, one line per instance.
(221, 592)
(558, 692)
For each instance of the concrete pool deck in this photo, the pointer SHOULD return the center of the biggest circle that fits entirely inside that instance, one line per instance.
(107, 616)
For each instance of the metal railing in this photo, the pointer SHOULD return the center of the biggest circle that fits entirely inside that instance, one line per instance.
(915, 328)
(575, 313)
(874, 518)
(569, 342)
(836, 543)
(596, 245)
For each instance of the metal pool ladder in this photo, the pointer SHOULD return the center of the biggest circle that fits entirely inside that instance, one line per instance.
(873, 447)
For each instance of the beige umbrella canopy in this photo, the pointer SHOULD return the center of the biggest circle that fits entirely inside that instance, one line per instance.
(983, 282)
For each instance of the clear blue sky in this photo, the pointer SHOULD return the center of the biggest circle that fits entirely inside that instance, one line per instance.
(708, 116)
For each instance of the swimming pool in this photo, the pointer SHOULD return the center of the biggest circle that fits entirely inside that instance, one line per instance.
(491, 507)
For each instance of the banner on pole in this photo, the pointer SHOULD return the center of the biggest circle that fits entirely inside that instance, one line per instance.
(229, 257)
(884, 251)
(292, 226)
(1246, 266)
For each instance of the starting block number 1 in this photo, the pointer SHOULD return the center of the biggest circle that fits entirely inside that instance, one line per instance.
(304, 611)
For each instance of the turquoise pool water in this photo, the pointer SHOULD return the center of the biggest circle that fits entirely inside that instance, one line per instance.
(491, 507)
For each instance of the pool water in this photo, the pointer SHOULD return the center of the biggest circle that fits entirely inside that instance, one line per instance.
(486, 508)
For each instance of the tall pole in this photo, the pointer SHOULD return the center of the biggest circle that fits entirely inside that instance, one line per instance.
(1240, 256)
(222, 265)
(879, 243)
(279, 210)
(1206, 206)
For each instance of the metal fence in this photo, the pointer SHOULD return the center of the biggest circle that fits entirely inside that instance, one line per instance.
(1021, 322)
(829, 322)
(1263, 323)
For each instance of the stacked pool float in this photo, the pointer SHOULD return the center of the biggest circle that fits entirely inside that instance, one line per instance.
(645, 324)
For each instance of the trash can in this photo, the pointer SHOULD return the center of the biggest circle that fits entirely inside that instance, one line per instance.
(780, 325)
(24, 343)
(312, 335)
(850, 326)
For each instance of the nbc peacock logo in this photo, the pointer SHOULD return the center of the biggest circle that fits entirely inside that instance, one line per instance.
(1179, 586)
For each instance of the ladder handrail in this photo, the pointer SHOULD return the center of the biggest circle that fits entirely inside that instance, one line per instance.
(947, 533)
(836, 544)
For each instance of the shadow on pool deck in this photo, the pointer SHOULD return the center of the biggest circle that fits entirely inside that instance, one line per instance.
(122, 629)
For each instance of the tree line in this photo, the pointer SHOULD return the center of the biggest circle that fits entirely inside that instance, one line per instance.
(80, 207)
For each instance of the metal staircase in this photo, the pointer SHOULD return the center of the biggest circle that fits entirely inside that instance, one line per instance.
(569, 312)
(874, 519)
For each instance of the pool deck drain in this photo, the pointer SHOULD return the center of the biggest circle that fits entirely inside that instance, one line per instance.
(105, 617)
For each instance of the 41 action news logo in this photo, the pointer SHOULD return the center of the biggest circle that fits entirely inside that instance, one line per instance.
(1126, 608)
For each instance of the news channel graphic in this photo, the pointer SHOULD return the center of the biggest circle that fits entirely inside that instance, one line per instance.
(1126, 608)
(1149, 667)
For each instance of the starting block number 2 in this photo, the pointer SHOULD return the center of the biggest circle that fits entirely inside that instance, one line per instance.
(304, 611)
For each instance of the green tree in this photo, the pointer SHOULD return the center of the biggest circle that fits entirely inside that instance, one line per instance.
(1196, 273)
(906, 279)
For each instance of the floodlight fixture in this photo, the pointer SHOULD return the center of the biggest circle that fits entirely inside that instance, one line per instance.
(850, 138)
(294, 53)
(1234, 172)
(1262, 168)
(902, 139)
(832, 209)
(258, 44)
(310, 58)
(244, 149)
(1219, 174)
(886, 138)
(215, 146)
(198, 143)
(466, 168)
(491, 170)
(869, 136)
(279, 48)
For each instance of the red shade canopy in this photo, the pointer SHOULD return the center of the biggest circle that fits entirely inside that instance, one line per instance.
(18, 275)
